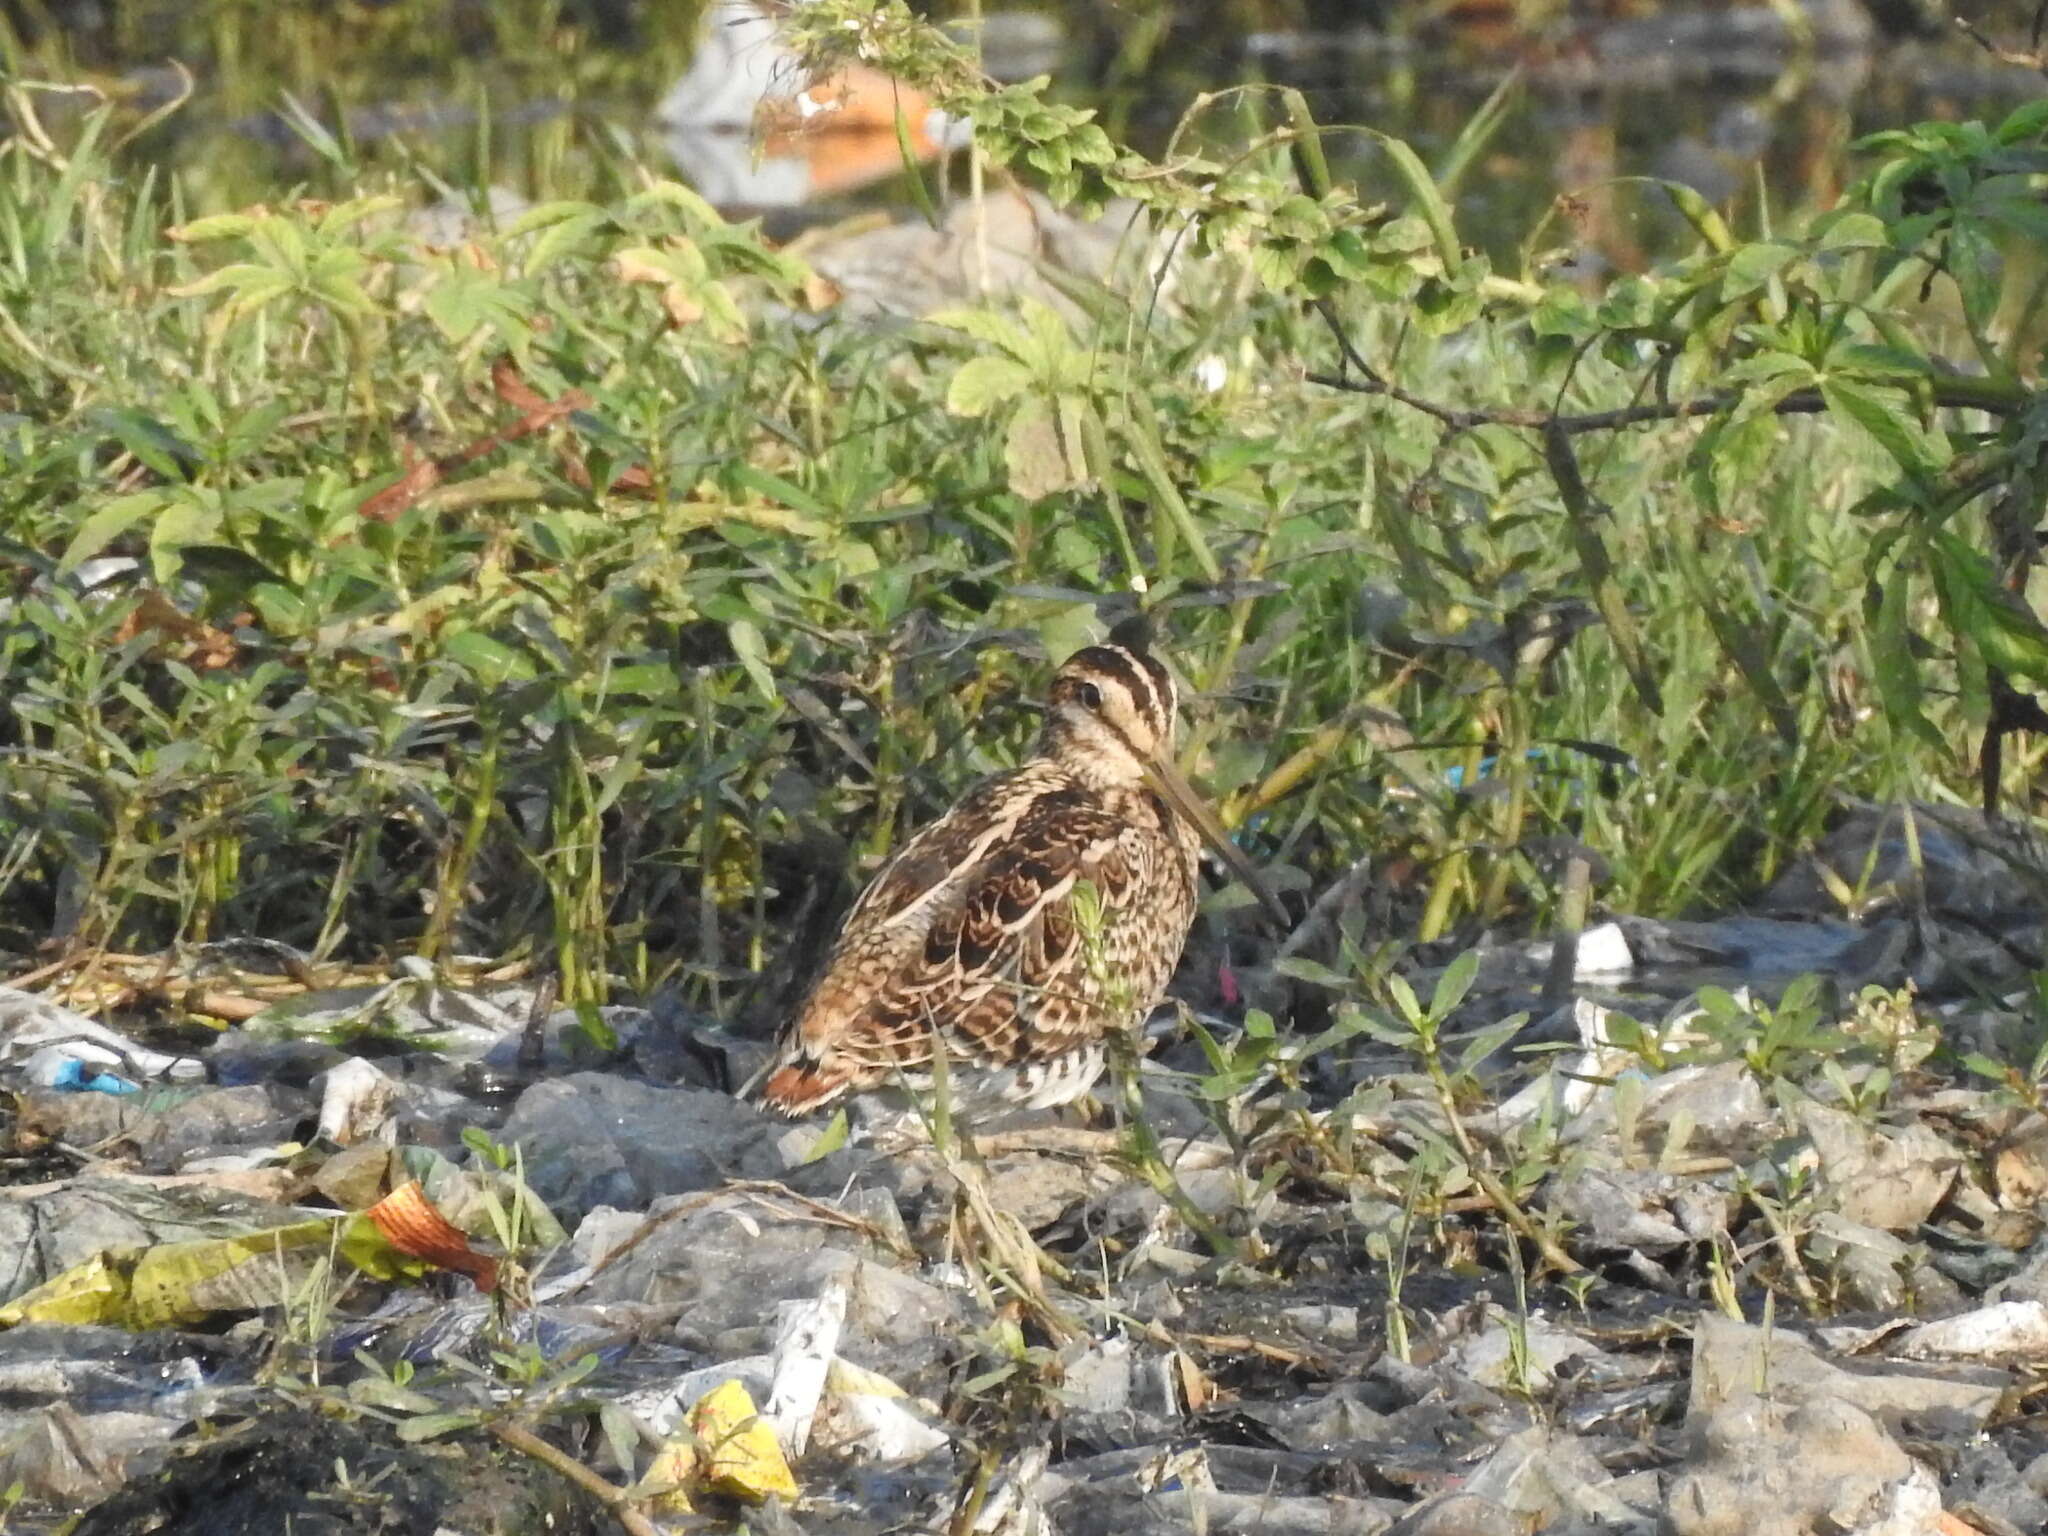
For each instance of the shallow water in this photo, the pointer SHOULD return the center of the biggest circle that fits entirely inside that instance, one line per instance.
(1725, 100)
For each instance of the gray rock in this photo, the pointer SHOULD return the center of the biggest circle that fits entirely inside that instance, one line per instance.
(724, 1266)
(1870, 1264)
(1732, 1362)
(1459, 1514)
(1038, 1189)
(1986, 1483)
(1545, 1477)
(1884, 1179)
(1517, 1354)
(1117, 1508)
(165, 1126)
(218, 1119)
(591, 1139)
(1954, 861)
(1097, 1377)
(1722, 1103)
(62, 1457)
(1621, 1208)
(1763, 1468)
(1721, 1107)
(1338, 1418)
(96, 1370)
(2014, 1332)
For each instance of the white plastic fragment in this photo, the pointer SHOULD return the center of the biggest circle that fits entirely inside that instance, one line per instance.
(2006, 1331)
(1908, 1507)
(29, 1025)
(1575, 1087)
(356, 1102)
(806, 1336)
(1013, 1506)
(869, 1418)
(1603, 951)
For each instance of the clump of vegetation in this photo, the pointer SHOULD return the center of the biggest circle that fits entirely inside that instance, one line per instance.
(572, 589)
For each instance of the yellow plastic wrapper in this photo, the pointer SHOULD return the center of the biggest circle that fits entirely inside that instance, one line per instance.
(171, 1284)
(670, 1475)
(742, 1457)
(86, 1293)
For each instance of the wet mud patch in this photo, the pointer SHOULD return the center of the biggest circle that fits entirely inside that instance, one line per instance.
(315, 1475)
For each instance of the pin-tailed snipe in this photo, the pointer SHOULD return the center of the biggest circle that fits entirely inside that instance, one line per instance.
(972, 935)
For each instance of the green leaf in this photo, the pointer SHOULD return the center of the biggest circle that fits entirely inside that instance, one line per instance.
(1598, 567)
(1424, 196)
(1452, 986)
(431, 1426)
(985, 326)
(218, 226)
(790, 495)
(124, 514)
(983, 383)
(752, 650)
(2006, 632)
(1275, 265)
(548, 215)
(572, 234)
(1405, 1000)
(465, 300)
(2027, 122)
(1490, 1039)
(343, 217)
(182, 521)
(1312, 972)
(697, 212)
(836, 1132)
(643, 680)
(679, 262)
(1839, 231)
(1751, 266)
(913, 172)
(1738, 637)
(491, 662)
(244, 277)
(1882, 415)
(1897, 669)
(1699, 213)
(313, 133)
(1142, 438)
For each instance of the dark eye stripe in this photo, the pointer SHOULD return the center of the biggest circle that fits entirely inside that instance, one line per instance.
(1118, 665)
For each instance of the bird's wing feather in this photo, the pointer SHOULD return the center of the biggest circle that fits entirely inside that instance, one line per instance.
(904, 887)
(973, 924)
(1006, 963)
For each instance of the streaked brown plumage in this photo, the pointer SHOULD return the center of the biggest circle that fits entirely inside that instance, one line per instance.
(969, 936)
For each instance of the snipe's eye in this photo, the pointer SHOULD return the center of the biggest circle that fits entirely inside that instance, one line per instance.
(1091, 696)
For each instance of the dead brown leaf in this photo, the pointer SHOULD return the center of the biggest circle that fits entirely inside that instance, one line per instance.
(182, 636)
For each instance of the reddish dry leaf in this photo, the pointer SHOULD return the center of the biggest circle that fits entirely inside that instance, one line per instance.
(198, 644)
(411, 1224)
(420, 477)
(537, 414)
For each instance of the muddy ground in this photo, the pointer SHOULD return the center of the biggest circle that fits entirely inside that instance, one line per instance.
(418, 1256)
